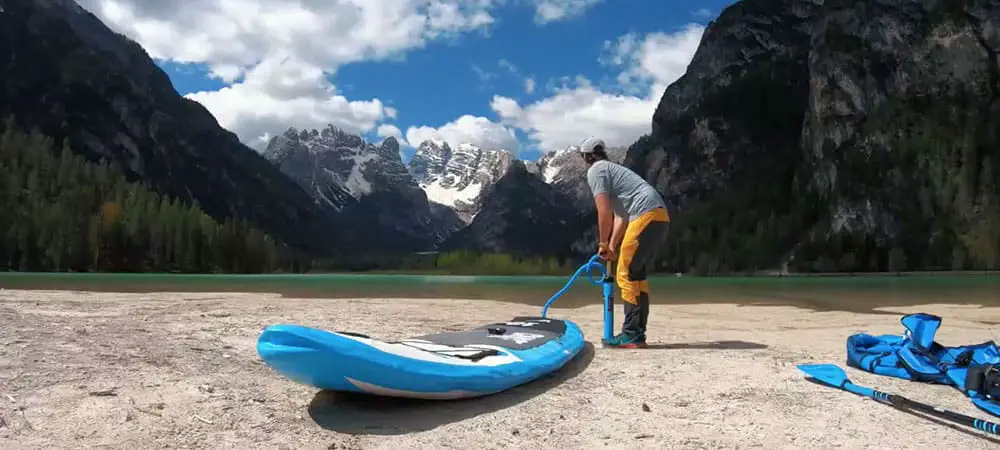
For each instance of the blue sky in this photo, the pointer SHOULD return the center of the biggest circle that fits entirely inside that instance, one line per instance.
(432, 83)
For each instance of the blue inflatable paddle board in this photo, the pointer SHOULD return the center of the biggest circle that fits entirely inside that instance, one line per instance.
(459, 364)
(479, 361)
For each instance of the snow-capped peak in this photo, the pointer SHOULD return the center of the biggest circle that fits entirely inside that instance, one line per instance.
(457, 178)
(333, 163)
(550, 166)
(566, 171)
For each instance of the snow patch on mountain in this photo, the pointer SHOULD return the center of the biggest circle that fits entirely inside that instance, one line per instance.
(366, 182)
(438, 192)
(551, 164)
(565, 170)
(458, 178)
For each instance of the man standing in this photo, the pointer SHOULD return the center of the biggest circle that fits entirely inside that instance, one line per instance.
(632, 222)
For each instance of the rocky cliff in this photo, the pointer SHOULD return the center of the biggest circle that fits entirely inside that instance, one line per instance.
(458, 177)
(523, 216)
(566, 172)
(69, 76)
(367, 184)
(444, 188)
(833, 135)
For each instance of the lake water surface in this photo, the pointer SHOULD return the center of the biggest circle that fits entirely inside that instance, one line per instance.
(848, 293)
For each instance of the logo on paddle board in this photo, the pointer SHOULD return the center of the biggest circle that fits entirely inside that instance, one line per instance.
(527, 324)
(518, 338)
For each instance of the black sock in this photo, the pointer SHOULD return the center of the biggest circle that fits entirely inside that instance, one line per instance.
(634, 321)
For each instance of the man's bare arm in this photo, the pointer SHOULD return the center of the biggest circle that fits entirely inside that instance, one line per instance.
(617, 232)
(605, 218)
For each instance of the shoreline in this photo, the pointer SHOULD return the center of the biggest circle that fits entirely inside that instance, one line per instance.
(861, 298)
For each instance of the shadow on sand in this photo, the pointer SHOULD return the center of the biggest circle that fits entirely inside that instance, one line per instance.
(374, 415)
(712, 345)
(930, 418)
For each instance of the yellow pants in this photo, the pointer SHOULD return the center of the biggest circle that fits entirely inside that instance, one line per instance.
(641, 242)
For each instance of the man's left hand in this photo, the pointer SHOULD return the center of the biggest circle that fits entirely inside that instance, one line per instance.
(605, 252)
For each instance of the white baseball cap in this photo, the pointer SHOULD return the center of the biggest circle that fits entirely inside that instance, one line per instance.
(590, 144)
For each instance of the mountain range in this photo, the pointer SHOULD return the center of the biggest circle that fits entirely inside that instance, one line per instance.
(441, 191)
(805, 135)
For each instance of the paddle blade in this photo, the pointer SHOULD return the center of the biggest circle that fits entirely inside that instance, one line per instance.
(827, 373)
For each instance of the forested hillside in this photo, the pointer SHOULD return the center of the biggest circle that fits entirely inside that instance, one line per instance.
(69, 76)
(61, 212)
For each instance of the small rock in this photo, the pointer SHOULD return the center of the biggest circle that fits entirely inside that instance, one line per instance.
(104, 393)
(206, 388)
(562, 417)
(645, 408)
(515, 432)
(643, 436)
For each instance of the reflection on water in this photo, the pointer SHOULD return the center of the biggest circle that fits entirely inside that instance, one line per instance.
(860, 294)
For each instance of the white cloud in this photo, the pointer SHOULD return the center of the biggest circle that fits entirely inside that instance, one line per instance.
(554, 10)
(388, 130)
(703, 13)
(478, 131)
(507, 65)
(483, 75)
(281, 93)
(654, 61)
(279, 57)
(579, 109)
(277, 94)
(281, 54)
(237, 34)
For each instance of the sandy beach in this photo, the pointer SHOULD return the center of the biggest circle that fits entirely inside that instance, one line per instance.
(179, 370)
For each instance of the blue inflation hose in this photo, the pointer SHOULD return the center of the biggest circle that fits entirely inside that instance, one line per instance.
(592, 263)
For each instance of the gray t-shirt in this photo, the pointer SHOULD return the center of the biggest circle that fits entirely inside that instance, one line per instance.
(630, 195)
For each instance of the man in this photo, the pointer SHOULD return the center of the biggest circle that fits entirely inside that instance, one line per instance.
(632, 222)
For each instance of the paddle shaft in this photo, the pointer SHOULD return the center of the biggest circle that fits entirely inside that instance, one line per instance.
(903, 402)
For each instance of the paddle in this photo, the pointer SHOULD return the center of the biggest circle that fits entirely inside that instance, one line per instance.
(835, 376)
